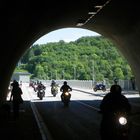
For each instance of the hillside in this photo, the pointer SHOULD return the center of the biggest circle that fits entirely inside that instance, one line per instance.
(84, 59)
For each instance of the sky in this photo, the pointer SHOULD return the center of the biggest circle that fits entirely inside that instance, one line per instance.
(66, 34)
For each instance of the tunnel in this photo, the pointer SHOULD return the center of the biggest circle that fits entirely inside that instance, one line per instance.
(24, 22)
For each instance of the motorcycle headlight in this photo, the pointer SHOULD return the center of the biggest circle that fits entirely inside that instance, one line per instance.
(122, 120)
(66, 93)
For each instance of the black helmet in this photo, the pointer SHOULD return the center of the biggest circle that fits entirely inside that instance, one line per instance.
(115, 89)
(15, 84)
(65, 82)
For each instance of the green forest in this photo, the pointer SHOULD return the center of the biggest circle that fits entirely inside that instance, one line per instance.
(87, 58)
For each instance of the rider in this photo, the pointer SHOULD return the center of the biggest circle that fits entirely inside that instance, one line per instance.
(54, 86)
(65, 88)
(53, 83)
(40, 87)
(14, 81)
(112, 102)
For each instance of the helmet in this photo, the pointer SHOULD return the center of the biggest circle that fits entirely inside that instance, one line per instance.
(15, 84)
(65, 83)
(115, 89)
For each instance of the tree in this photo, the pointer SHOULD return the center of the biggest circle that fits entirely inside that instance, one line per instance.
(39, 72)
(118, 73)
(42, 61)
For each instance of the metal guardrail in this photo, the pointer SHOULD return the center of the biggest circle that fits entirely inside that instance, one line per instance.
(88, 84)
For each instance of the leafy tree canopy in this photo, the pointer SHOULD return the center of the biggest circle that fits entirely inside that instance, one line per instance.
(82, 59)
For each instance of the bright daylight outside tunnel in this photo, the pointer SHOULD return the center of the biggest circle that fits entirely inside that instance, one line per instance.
(90, 64)
(87, 58)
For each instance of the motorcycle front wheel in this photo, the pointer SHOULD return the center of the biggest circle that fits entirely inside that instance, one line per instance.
(104, 89)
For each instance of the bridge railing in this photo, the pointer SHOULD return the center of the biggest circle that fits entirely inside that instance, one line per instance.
(88, 84)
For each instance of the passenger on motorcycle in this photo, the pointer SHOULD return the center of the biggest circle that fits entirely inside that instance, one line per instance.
(65, 88)
(111, 103)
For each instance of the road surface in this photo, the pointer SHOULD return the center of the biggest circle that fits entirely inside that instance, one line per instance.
(80, 121)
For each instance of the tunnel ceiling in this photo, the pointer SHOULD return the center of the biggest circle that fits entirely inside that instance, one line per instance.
(25, 21)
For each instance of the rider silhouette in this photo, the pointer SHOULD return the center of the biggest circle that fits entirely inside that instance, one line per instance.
(65, 88)
(112, 102)
(53, 83)
(16, 98)
(40, 87)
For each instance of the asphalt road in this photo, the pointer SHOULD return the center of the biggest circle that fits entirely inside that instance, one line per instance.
(77, 122)
(80, 121)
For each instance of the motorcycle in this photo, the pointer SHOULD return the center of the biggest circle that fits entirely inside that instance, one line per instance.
(65, 97)
(41, 93)
(99, 87)
(54, 90)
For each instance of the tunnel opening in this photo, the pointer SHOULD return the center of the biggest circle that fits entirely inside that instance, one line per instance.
(126, 74)
(75, 72)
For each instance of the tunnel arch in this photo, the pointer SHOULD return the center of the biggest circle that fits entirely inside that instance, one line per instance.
(118, 21)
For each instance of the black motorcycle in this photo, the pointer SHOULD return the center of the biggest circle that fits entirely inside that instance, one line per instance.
(99, 87)
(65, 97)
(54, 90)
(41, 93)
